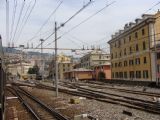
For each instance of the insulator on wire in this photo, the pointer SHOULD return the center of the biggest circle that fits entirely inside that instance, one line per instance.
(12, 45)
(9, 44)
(99, 48)
(83, 47)
(27, 45)
(92, 47)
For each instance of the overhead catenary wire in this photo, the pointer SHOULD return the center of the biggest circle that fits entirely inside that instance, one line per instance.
(27, 17)
(152, 7)
(79, 23)
(62, 25)
(46, 21)
(19, 18)
(88, 18)
(13, 19)
(84, 6)
(7, 21)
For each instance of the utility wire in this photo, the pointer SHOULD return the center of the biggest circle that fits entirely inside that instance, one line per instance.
(152, 7)
(19, 18)
(7, 21)
(62, 25)
(46, 21)
(25, 20)
(77, 12)
(88, 18)
(13, 19)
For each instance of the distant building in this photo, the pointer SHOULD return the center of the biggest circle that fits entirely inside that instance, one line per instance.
(64, 64)
(92, 59)
(19, 68)
(79, 74)
(133, 49)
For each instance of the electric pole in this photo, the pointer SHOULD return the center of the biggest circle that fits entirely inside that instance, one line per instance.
(42, 62)
(56, 62)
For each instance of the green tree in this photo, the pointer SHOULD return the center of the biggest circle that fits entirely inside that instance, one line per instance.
(34, 70)
(30, 71)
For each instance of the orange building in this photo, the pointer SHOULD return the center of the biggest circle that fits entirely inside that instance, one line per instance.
(102, 72)
(79, 74)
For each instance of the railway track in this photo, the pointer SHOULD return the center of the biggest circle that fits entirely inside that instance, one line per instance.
(130, 102)
(14, 106)
(38, 109)
(101, 86)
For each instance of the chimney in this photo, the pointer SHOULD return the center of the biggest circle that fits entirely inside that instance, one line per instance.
(126, 27)
(113, 36)
(116, 34)
(121, 31)
(145, 16)
(138, 20)
(131, 24)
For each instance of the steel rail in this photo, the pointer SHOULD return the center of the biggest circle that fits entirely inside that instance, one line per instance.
(56, 114)
(102, 98)
(26, 105)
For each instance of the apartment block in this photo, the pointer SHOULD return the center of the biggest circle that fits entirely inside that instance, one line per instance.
(94, 58)
(133, 49)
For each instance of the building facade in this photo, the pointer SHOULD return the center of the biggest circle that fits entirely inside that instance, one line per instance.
(105, 69)
(79, 74)
(94, 58)
(133, 56)
(64, 64)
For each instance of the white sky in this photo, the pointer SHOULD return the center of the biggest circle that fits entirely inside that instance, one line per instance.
(96, 31)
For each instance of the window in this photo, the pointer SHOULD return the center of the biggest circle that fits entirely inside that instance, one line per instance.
(144, 45)
(137, 61)
(120, 64)
(131, 62)
(158, 55)
(119, 43)
(124, 40)
(112, 56)
(117, 75)
(112, 74)
(125, 51)
(136, 35)
(131, 74)
(125, 63)
(144, 60)
(143, 32)
(145, 74)
(115, 64)
(138, 74)
(112, 65)
(120, 74)
(125, 74)
(129, 38)
(137, 49)
(130, 50)
(116, 55)
(120, 53)
(158, 68)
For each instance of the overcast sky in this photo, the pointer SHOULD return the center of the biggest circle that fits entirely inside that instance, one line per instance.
(96, 31)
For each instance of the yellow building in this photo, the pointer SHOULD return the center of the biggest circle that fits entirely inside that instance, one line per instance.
(64, 64)
(132, 49)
